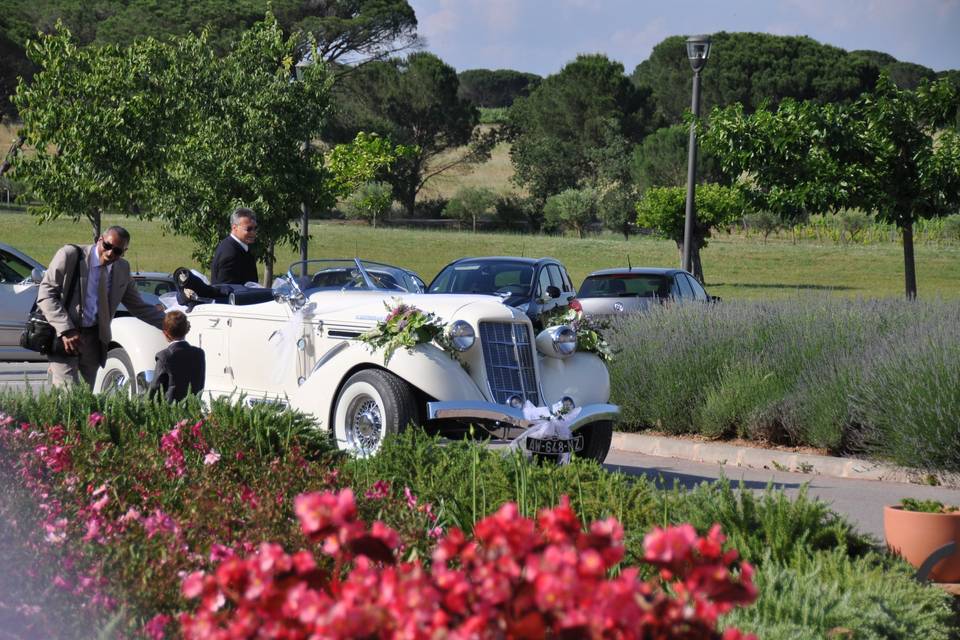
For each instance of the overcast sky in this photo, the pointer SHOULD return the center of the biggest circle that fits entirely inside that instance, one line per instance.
(541, 36)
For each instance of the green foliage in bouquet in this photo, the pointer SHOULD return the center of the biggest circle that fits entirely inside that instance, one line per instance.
(589, 332)
(406, 327)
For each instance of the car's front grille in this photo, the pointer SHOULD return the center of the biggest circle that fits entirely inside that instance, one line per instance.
(508, 358)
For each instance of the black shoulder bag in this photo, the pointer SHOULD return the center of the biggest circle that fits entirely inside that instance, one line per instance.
(39, 335)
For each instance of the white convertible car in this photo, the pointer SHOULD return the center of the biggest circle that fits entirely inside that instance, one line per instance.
(300, 348)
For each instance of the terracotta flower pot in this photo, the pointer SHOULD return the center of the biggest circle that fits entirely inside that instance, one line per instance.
(915, 535)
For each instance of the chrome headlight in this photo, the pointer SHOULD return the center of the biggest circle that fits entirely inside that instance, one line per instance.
(557, 342)
(462, 335)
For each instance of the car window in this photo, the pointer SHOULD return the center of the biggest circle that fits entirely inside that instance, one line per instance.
(155, 287)
(555, 278)
(484, 277)
(544, 282)
(685, 291)
(637, 285)
(13, 270)
(567, 282)
(698, 292)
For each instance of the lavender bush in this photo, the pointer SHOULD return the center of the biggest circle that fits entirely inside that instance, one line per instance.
(876, 377)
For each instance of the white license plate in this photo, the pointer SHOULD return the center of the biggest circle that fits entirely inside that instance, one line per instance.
(555, 445)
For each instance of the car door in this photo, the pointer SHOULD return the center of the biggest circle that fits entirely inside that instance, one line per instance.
(698, 293)
(16, 299)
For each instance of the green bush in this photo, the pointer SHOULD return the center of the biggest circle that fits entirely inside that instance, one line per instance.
(868, 377)
(832, 595)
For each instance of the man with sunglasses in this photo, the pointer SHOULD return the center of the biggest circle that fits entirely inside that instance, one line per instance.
(84, 327)
(233, 262)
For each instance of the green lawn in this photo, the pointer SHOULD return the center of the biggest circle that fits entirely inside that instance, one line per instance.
(735, 267)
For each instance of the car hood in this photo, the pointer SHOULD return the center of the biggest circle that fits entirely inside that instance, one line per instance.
(371, 305)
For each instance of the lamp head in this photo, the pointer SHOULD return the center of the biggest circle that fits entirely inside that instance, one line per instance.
(698, 50)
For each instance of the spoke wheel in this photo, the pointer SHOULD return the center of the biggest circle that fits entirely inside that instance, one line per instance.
(116, 376)
(372, 405)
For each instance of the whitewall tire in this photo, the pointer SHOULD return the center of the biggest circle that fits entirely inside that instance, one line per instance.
(372, 405)
(116, 375)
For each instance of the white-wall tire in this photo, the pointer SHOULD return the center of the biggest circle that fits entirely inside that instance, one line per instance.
(372, 405)
(116, 375)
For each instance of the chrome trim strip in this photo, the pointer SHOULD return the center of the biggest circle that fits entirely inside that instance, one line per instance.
(479, 410)
(331, 352)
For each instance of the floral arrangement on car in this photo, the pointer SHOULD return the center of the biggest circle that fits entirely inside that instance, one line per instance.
(589, 332)
(405, 327)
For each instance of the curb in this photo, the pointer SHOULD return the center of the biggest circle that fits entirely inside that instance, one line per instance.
(757, 458)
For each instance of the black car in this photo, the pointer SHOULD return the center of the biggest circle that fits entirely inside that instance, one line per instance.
(533, 285)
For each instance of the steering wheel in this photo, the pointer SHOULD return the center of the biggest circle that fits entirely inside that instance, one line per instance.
(508, 290)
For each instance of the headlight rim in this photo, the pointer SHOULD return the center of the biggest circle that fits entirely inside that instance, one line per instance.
(455, 338)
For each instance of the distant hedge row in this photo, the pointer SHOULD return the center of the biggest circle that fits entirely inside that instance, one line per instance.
(876, 378)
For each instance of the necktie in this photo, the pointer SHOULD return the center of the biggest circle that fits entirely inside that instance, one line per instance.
(103, 302)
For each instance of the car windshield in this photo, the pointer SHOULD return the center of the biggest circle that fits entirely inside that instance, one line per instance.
(505, 278)
(625, 285)
(350, 274)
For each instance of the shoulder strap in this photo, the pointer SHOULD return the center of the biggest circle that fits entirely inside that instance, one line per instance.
(74, 278)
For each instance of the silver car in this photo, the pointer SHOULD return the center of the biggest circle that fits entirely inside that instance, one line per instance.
(19, 276)
(612, 292)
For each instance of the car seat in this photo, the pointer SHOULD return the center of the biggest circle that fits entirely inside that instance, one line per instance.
(617, 287)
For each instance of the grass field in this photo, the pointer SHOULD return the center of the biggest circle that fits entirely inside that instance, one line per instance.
(735, 267)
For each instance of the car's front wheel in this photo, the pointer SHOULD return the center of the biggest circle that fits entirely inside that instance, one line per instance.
(596, 440)
(116, 375)
(372, 405)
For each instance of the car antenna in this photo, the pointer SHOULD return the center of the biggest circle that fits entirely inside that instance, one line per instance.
(629, 266)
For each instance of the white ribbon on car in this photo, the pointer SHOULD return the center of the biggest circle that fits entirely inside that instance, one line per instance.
(285, 340)
(547, 423)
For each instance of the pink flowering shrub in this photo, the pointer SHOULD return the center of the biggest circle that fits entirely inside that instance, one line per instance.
(516, 577)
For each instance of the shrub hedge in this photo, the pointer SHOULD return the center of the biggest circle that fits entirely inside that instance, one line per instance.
(877, 378)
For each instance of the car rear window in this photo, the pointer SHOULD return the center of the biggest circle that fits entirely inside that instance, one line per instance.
(623, 285)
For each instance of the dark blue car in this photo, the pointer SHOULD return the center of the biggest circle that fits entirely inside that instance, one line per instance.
(533, 285)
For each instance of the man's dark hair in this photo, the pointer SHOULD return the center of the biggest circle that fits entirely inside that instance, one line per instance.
(120, 231)
(176, 325)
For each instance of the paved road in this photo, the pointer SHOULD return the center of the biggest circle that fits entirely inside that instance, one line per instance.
(19, 375)
(861, 501)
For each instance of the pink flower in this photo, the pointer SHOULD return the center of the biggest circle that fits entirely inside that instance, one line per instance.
(379, 490)
(211, 458)
(159, 522)
(155, 629)
(411, 499)
(95, 419)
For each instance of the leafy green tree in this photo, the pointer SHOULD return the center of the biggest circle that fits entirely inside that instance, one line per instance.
(765, 222)
(499, 88)
(412, 102)
(661, 160)
(752, 69)
(371, 201)
(98, 121)
(470, 204)
(883, 153)
(572, 209)
(345, 31)
(564, 131)
(663, 208)
(617, 209)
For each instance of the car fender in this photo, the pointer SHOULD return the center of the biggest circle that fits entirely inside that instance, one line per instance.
(426, 367)
(140, 340)
(583, 377)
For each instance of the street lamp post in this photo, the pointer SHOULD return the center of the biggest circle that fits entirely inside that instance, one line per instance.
(698, 49)
(302, 64)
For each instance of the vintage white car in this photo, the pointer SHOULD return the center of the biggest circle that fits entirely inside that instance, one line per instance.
(301, 348)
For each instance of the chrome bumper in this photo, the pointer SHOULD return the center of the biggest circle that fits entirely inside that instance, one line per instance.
(508, 416)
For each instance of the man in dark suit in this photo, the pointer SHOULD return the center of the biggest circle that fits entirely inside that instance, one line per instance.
(84, 324)
(233, 263)
(181, 367)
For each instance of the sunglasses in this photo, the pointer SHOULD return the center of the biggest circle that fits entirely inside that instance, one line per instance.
(249, 229)
(112, 248)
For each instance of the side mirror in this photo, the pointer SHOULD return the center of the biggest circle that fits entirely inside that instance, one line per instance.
(36, 275)
(553, 292)
(714, 298)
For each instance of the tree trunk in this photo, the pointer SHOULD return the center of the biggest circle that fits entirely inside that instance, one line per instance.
(474, 224)
(626, 230)
(268, 260)
(697, 265)
(909, 267)
(95, 223)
